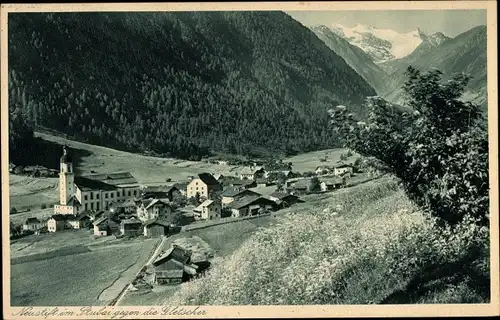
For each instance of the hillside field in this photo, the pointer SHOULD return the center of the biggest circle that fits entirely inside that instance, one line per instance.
(362, 245)
(93, 275)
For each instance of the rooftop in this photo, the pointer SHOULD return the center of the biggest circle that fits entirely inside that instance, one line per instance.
(156, 222)
(208, 179)
(32, 220)
(280, 195)
(114, 179)
(235, 192)
(245, 201)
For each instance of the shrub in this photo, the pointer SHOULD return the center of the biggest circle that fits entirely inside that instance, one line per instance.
(13, 210)
(439, 151)
(43, 206)
(315, 185)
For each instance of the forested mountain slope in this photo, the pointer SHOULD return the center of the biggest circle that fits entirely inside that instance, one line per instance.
(181, 83)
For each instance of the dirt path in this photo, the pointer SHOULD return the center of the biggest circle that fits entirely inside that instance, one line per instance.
(116, 301)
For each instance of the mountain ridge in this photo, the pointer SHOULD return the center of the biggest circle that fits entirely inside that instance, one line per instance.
(359, 60)
(183, 83)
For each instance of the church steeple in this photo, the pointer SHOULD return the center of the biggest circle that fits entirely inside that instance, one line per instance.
(66, 158)
(66, 177)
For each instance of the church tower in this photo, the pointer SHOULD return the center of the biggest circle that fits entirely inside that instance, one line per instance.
(66, 178)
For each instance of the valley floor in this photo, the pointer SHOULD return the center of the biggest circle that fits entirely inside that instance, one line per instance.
(72, 269)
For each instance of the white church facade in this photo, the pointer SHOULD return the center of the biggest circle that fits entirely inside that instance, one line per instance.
(78, 194)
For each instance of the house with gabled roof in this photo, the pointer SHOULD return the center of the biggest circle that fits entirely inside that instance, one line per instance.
(148, 209)
(233, 194)
(331, 184)
(209, 210)
(251, 205)
(131, 227)
(33, 224)
(173, 266)
(343, 169)
(203, 185)
(251, 173)
(56, 223)
(82, 220)
(158, 192)
(101, 227)
(156, 228)
(284, 199)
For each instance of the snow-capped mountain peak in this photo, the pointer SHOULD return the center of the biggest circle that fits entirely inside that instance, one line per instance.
(381, 44)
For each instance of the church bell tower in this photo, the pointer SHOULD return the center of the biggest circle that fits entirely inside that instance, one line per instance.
(66, 177)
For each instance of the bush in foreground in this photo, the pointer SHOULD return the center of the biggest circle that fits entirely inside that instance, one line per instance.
(439, 150)
(371, 246)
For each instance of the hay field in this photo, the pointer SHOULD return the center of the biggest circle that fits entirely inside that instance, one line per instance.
(30, 192)
(311, 160)
(94, 277)
(147, 169)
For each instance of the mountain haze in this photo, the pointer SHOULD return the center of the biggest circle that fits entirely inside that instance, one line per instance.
(180, 83)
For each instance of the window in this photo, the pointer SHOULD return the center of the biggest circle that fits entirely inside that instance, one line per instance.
(129, 193)
(91, 206)
(85, 197)
(112, 195)
(86, 207)
(106, 195)
(97, 196)
(91, 196)
(97, 206)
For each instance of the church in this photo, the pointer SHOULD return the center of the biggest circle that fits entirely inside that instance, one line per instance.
(94, 192)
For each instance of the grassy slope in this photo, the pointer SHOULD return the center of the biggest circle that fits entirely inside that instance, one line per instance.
(90, 278)
(363, 245)
(223, 239)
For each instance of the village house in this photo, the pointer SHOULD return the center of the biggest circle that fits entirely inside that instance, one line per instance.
(240, 183)
(208, 210)
(173, 266)
(252, 173)
(156, 228)
(330, 184)
(231, 195)
(203, 185)
(252, 205)
(32, 224)
(284, 199)
(131, 227)
(101, 227)
(91, 192)
(182, 187)
(263, 182)
(219, 176)
(300, 187)
(149, 209)
(78, 222)
(344, 169)
(166, 192)
(56, 223)
(322, 170)
(128, 206)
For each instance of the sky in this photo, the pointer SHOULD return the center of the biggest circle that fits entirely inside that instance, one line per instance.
(449, 22)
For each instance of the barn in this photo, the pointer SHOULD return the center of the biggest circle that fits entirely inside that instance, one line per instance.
(156, 228)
